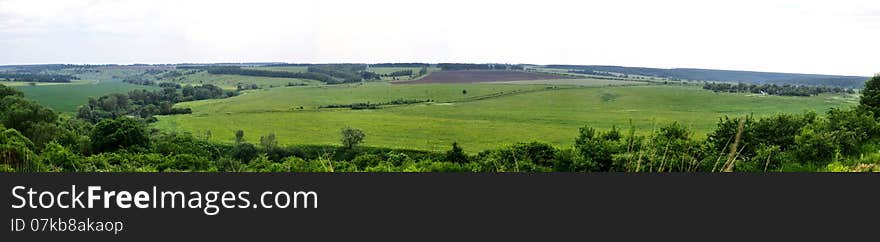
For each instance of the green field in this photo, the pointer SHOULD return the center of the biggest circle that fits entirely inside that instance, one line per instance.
(311, 97)
(21, 84)
(482, 119)
(66, 98)
(232, 81)
(94, 82)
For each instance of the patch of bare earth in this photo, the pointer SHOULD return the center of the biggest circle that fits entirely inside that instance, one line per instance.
(481, 76)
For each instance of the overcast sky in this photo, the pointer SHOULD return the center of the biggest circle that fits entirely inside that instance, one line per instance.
(829, 37)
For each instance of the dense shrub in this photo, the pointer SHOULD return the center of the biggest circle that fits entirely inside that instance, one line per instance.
(120, 133)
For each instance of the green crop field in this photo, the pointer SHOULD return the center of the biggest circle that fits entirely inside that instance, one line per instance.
(20, 84)
(232, 81)
(311, 97)
(94, 82)
(67, 97)
(482, 119)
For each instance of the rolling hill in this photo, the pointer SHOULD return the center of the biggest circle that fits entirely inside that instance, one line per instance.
(728, 75)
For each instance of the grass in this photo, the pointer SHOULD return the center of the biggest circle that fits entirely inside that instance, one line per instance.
(312, 97)
(231, 81)
(94, 82)
(66, 98)
(533, 113)
(21, 84)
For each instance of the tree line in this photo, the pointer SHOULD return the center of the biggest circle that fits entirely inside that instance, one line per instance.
(408, 65)
(400, 73)
(31, 77)
(340, 73)
(592, 72)
(330, 74)
(368, 105)
(773, 89)
(145, 104)
(234, 70)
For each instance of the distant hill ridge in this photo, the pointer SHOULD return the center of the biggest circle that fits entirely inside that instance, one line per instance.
(729, 75)
(753, 77)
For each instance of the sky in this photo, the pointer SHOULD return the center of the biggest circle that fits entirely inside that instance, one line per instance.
(806, 36)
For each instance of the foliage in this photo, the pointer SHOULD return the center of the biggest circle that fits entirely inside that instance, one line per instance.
(773, 89)
(871, 96)
(352, 137)
(8, 91)
(15, 149)
(145, 104)
(31, 77)
(244, 152)
(33, 120)
(597, 148)
(727, 76)
(119, 133)
(330, 74)
(456, 154)
(341, 73)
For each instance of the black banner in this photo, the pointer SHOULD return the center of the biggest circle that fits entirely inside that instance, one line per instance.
(439, 206)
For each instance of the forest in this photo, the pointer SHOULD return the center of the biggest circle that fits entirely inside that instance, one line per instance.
(773, 89)
(35, 138)
(144, 104)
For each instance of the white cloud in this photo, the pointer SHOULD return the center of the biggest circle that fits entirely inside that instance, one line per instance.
(836, 37)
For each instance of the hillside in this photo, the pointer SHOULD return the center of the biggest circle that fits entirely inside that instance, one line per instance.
(728, 75)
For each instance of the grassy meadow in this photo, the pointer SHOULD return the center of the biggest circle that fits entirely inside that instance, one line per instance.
(94, 82)
(68, 97)
(488, 116)
(230, 82)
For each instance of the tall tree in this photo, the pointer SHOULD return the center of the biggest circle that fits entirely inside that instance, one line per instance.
(351, 137)
(871, 96)
(119, 133)
(8, 91)
(456, 154)
(28, 117)
(239, 136)
(268, 142)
